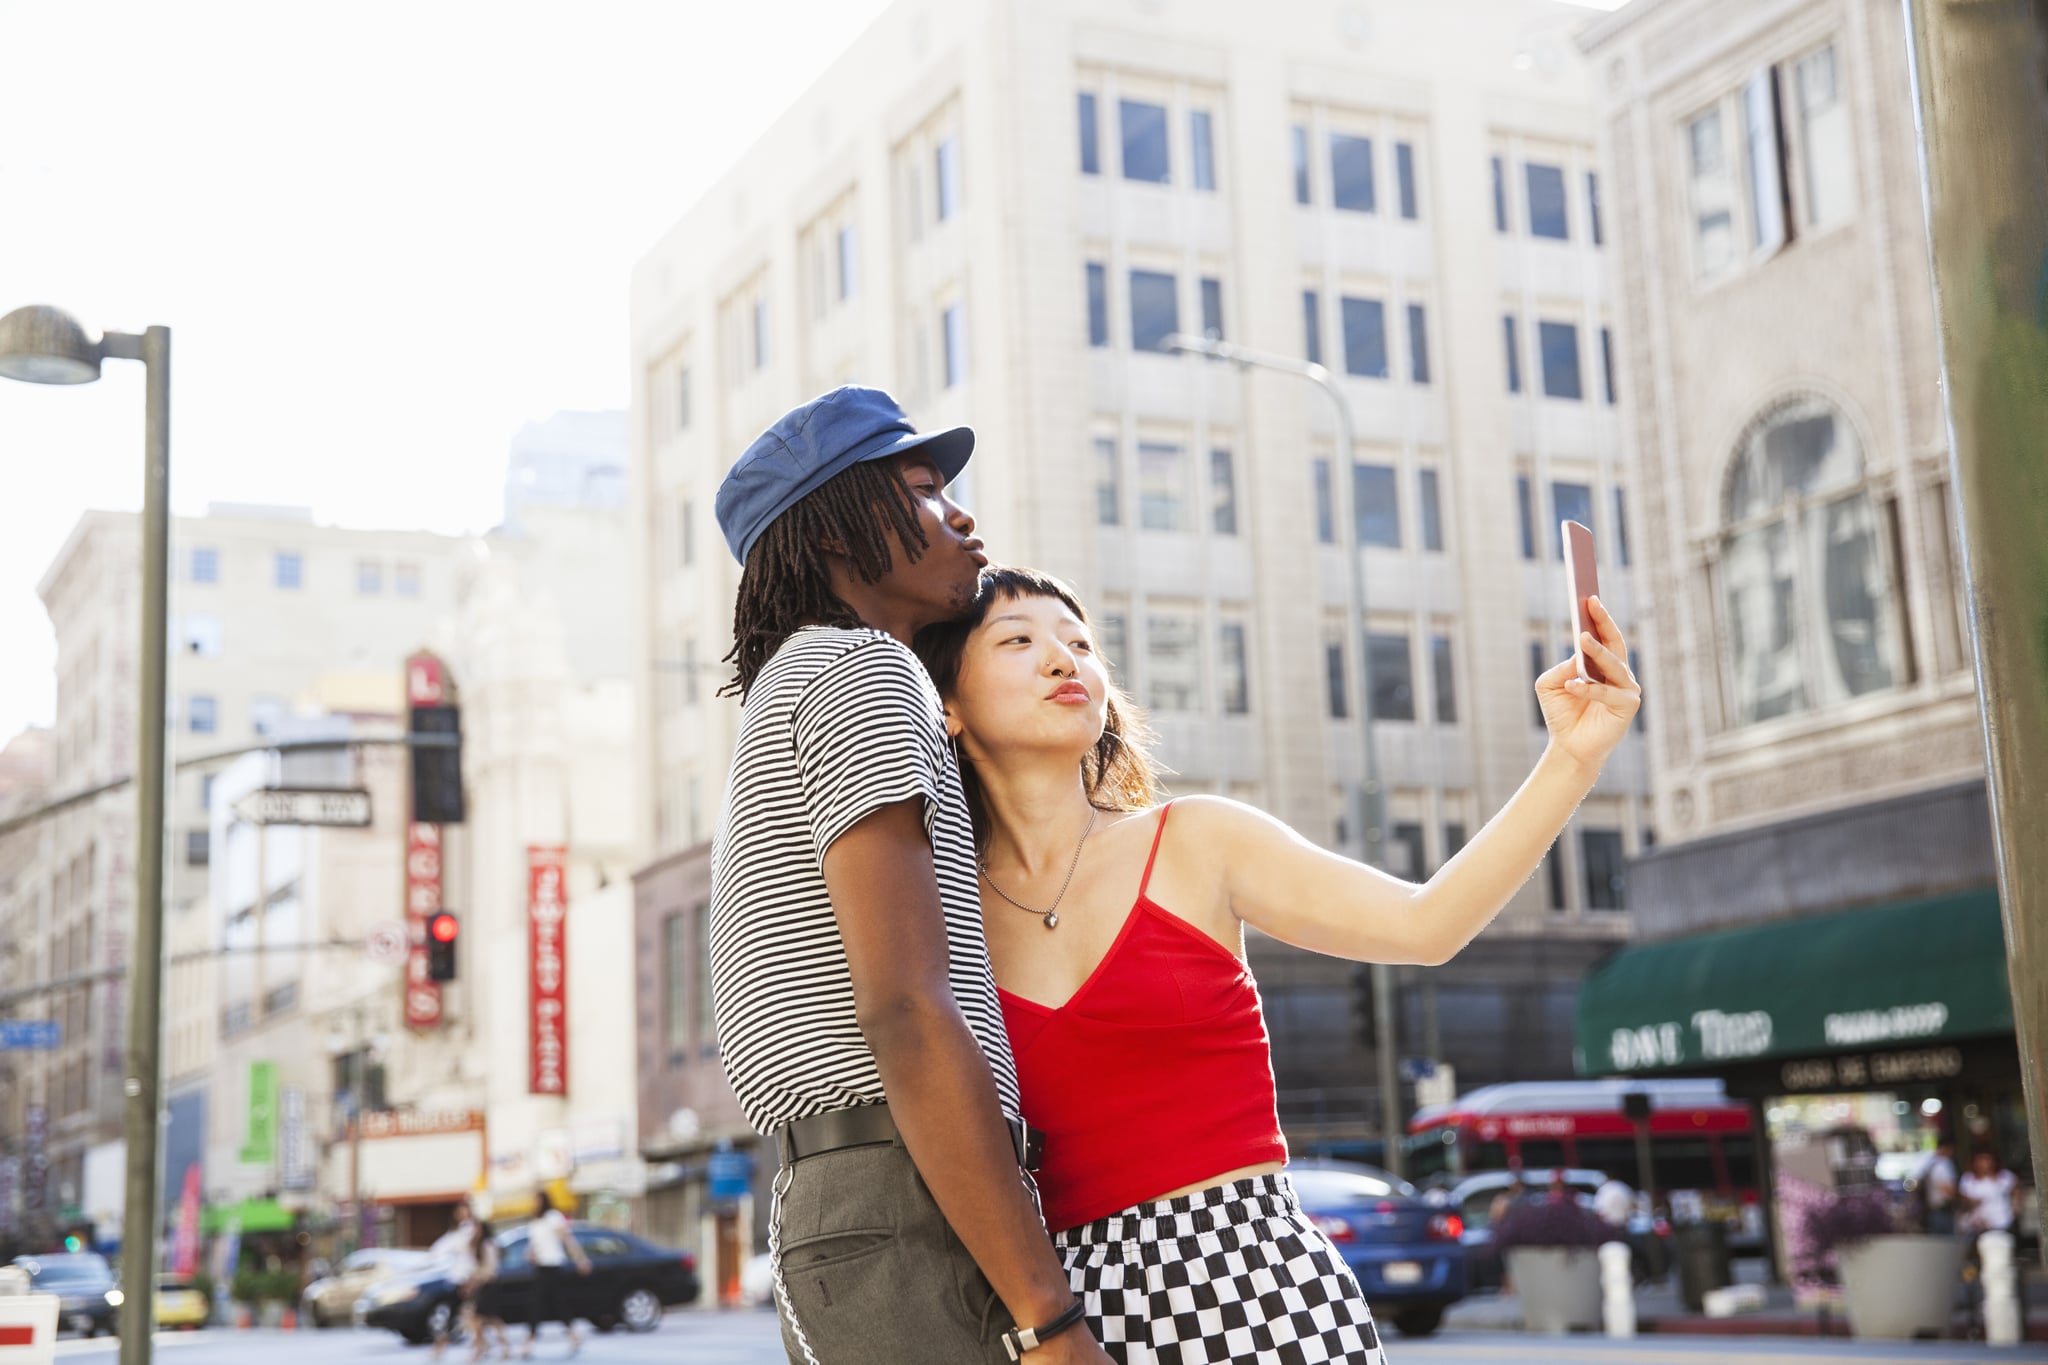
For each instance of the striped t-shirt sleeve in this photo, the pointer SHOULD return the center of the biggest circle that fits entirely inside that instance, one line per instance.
(867, 735)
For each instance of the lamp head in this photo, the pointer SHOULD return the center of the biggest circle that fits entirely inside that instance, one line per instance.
(45, 345)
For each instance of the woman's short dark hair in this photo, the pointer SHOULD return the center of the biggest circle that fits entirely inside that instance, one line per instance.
(1118, 773)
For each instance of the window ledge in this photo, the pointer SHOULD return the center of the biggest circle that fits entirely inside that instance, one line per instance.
(1744, 740)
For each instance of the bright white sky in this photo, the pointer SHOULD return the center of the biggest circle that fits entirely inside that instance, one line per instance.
(384, 234)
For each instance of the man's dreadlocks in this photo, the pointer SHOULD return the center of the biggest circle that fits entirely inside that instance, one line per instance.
(785, 585)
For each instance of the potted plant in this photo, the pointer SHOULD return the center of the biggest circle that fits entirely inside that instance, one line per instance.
(246, 1289)
(1897, 1283)
(1552, 1253)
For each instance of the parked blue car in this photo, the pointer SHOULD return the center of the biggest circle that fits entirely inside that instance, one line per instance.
(1406, 1254)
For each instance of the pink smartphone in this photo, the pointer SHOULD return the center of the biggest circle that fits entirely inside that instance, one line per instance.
(1581, 580)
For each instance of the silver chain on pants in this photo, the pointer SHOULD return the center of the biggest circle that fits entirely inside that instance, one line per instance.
(777, 1189)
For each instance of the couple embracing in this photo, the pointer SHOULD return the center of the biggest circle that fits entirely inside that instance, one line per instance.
(985, 993)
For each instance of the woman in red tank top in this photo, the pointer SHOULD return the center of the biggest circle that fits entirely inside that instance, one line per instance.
(1116, 931)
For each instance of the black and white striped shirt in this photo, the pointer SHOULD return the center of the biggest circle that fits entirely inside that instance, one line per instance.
(838, 724)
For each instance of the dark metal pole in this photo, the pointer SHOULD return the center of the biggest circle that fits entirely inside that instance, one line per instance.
(1980, 70)
(141, 1088)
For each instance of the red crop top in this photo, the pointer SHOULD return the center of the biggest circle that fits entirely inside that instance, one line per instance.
(1156, 1074)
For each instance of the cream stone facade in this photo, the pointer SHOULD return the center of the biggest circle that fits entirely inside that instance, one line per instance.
(994, 209)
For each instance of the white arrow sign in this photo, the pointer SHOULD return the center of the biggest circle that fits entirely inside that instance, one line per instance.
(283, 806)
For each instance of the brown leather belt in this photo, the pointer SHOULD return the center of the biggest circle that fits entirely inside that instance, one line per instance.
(870, 1125)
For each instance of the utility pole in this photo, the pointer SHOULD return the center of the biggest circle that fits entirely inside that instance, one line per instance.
(1979, 71)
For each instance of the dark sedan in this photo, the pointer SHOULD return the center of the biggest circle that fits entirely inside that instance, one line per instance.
(84, 1286)
(1405, 1253)
(631, 1283)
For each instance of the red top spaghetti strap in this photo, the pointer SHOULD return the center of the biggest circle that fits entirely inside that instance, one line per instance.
(1157, 1073)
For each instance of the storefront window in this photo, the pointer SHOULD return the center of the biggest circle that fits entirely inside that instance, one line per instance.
(1541, 1156)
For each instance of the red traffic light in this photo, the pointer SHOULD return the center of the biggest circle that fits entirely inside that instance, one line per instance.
(442, 929)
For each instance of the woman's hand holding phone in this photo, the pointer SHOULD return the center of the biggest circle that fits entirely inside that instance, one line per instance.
(1587, 719)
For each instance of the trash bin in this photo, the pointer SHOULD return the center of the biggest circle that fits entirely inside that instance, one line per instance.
(1702, 1262)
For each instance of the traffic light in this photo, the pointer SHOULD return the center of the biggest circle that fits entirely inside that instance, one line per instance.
(442, 931)
(437, 768)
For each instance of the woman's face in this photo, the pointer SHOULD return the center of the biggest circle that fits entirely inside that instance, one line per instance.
(1030, 682)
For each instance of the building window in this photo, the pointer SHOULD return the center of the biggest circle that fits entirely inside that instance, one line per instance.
(1713, 196)
(683, 399)
(288, 570)
(201, 636)
(1222, 493)
(1553, 868)
(1351, 181)
(1514, 345)
(1444, 679)
(1432, 510)
(1620, 529)
(707, 1016)
(1593, 207)
(1766, 173)
(1545, 185)
(1454, 838)
(205, 564)
(1539, 663)
(849, 261)
(761, 334)
(1376, 504)
(1525, 510)
(1403, 851)
(948, 184)
(1155, 309)
(1326, 515)
(1824, 145)
(202, 714)
(1233, 668)
(1365, 338)
(1569, 502)
(1202, 141)
(1098, 305)
(1559, 344)
(1404, 177)
(1607, 364)
(954, 324)
(266, 711)
(1173, 659)
(1212, 309)
(1162, 485)
(1144, 134)
(1807, 584)
(1298, 137)
(686, 532)
(198, 847)
(1500, 196)
(1418, 344)
(1312, 326)
(1333, 679)
(1605, 868)
(1110, 640)
(1091, 142)
(675, 950)
(405, 580)
(369, 577)
(1389, 674)
(1109, 492)
(690, 677)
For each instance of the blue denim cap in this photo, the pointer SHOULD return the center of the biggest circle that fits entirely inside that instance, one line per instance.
(808, 445)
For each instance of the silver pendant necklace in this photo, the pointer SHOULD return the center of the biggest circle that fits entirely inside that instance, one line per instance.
(1050, 914)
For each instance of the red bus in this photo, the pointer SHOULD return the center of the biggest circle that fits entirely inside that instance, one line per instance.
(1699, 1138)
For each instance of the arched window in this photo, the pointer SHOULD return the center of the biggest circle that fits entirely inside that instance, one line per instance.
(1807, 584)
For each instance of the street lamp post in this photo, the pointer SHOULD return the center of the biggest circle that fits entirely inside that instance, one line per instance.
(44, 345)
(1370, 813)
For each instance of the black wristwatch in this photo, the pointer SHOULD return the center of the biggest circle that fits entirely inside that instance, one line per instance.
(1018, 1340)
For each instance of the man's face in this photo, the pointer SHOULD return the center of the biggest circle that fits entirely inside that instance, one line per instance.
(940, 583)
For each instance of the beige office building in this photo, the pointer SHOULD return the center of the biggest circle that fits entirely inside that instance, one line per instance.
(997, 211)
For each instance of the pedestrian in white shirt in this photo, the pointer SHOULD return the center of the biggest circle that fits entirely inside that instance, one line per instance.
(1987, 1195)
(454, 1253)
(550, 1246)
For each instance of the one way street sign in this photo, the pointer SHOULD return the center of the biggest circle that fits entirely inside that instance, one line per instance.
(290, 806)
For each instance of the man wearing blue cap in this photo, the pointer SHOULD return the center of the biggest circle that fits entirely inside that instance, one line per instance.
(857, 1013)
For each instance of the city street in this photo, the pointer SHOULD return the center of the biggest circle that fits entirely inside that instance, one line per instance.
(750, 1339)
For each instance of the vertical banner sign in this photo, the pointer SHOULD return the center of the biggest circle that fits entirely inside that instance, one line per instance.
(425, 685)
(547, 912)
(294, 1172)
(259, 1143)
(185, 1245)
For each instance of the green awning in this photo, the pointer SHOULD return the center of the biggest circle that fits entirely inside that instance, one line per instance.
(1883, 978)
(253, 1215)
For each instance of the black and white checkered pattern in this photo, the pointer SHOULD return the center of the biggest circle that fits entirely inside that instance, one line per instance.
(1233, 1275)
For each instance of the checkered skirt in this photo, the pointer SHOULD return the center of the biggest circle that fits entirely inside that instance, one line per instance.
(1231, 1275)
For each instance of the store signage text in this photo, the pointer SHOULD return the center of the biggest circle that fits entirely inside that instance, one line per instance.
(1879, 1068)
(547, 963)
(1863, 1027)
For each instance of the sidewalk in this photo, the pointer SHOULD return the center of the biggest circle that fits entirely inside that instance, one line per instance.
(1659, 1311)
